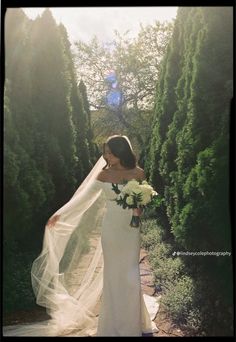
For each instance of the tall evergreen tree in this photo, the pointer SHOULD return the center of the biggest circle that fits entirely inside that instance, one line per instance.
(89, 133)
(41, 166)
(189, 147)
(80, 114)
(51, 105)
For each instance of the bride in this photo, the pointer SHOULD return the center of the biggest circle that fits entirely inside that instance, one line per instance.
(90, 252)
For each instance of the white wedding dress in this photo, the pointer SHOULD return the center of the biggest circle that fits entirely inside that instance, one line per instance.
(123, 311)
(112, 274)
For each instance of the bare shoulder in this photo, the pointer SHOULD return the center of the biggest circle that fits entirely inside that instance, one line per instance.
(102, 176)
(140, 173)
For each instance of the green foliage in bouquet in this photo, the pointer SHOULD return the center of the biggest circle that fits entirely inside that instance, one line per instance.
(136, 194)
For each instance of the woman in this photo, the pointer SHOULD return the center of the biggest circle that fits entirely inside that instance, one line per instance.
(109, 270)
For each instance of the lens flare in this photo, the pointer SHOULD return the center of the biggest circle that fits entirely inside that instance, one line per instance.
(114, 98)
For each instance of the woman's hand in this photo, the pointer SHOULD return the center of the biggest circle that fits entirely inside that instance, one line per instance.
(52, 221)
(137, 211)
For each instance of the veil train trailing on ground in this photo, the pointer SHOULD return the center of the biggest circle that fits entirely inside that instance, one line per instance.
(91, 236)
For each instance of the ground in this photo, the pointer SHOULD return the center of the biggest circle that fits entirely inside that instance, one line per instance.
(164, 324)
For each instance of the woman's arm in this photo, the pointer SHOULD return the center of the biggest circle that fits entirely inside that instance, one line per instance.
(141, 174)
(102, 176)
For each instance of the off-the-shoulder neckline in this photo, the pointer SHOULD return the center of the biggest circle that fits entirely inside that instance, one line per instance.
(108, 182)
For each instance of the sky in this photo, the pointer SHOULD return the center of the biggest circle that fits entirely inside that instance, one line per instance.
(82, 23)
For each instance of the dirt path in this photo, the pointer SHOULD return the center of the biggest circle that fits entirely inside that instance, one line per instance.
(164, 324)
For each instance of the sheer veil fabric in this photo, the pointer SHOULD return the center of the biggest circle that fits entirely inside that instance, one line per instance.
(67, 276)
(71, 302)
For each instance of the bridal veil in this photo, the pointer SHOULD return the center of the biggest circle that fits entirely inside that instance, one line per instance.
(67, 275)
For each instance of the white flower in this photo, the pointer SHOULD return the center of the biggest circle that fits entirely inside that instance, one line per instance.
(132, 186)
(146, 198)
(145, 183)
(129, 200)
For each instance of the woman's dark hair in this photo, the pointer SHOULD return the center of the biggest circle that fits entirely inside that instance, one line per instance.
(121, 148)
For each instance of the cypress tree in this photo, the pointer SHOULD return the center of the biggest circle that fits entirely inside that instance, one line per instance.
(40, 152)
(89, 134)
(189, 149)
(52, 106)
(80, 114)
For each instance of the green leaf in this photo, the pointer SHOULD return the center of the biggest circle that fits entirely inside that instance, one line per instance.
(115, 188)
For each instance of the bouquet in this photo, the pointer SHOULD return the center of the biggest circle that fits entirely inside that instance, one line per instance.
(135, 194)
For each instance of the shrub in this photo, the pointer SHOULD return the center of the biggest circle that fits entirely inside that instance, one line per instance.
(167, 270)
(151, 234)
(17, 288)
(178, 299)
